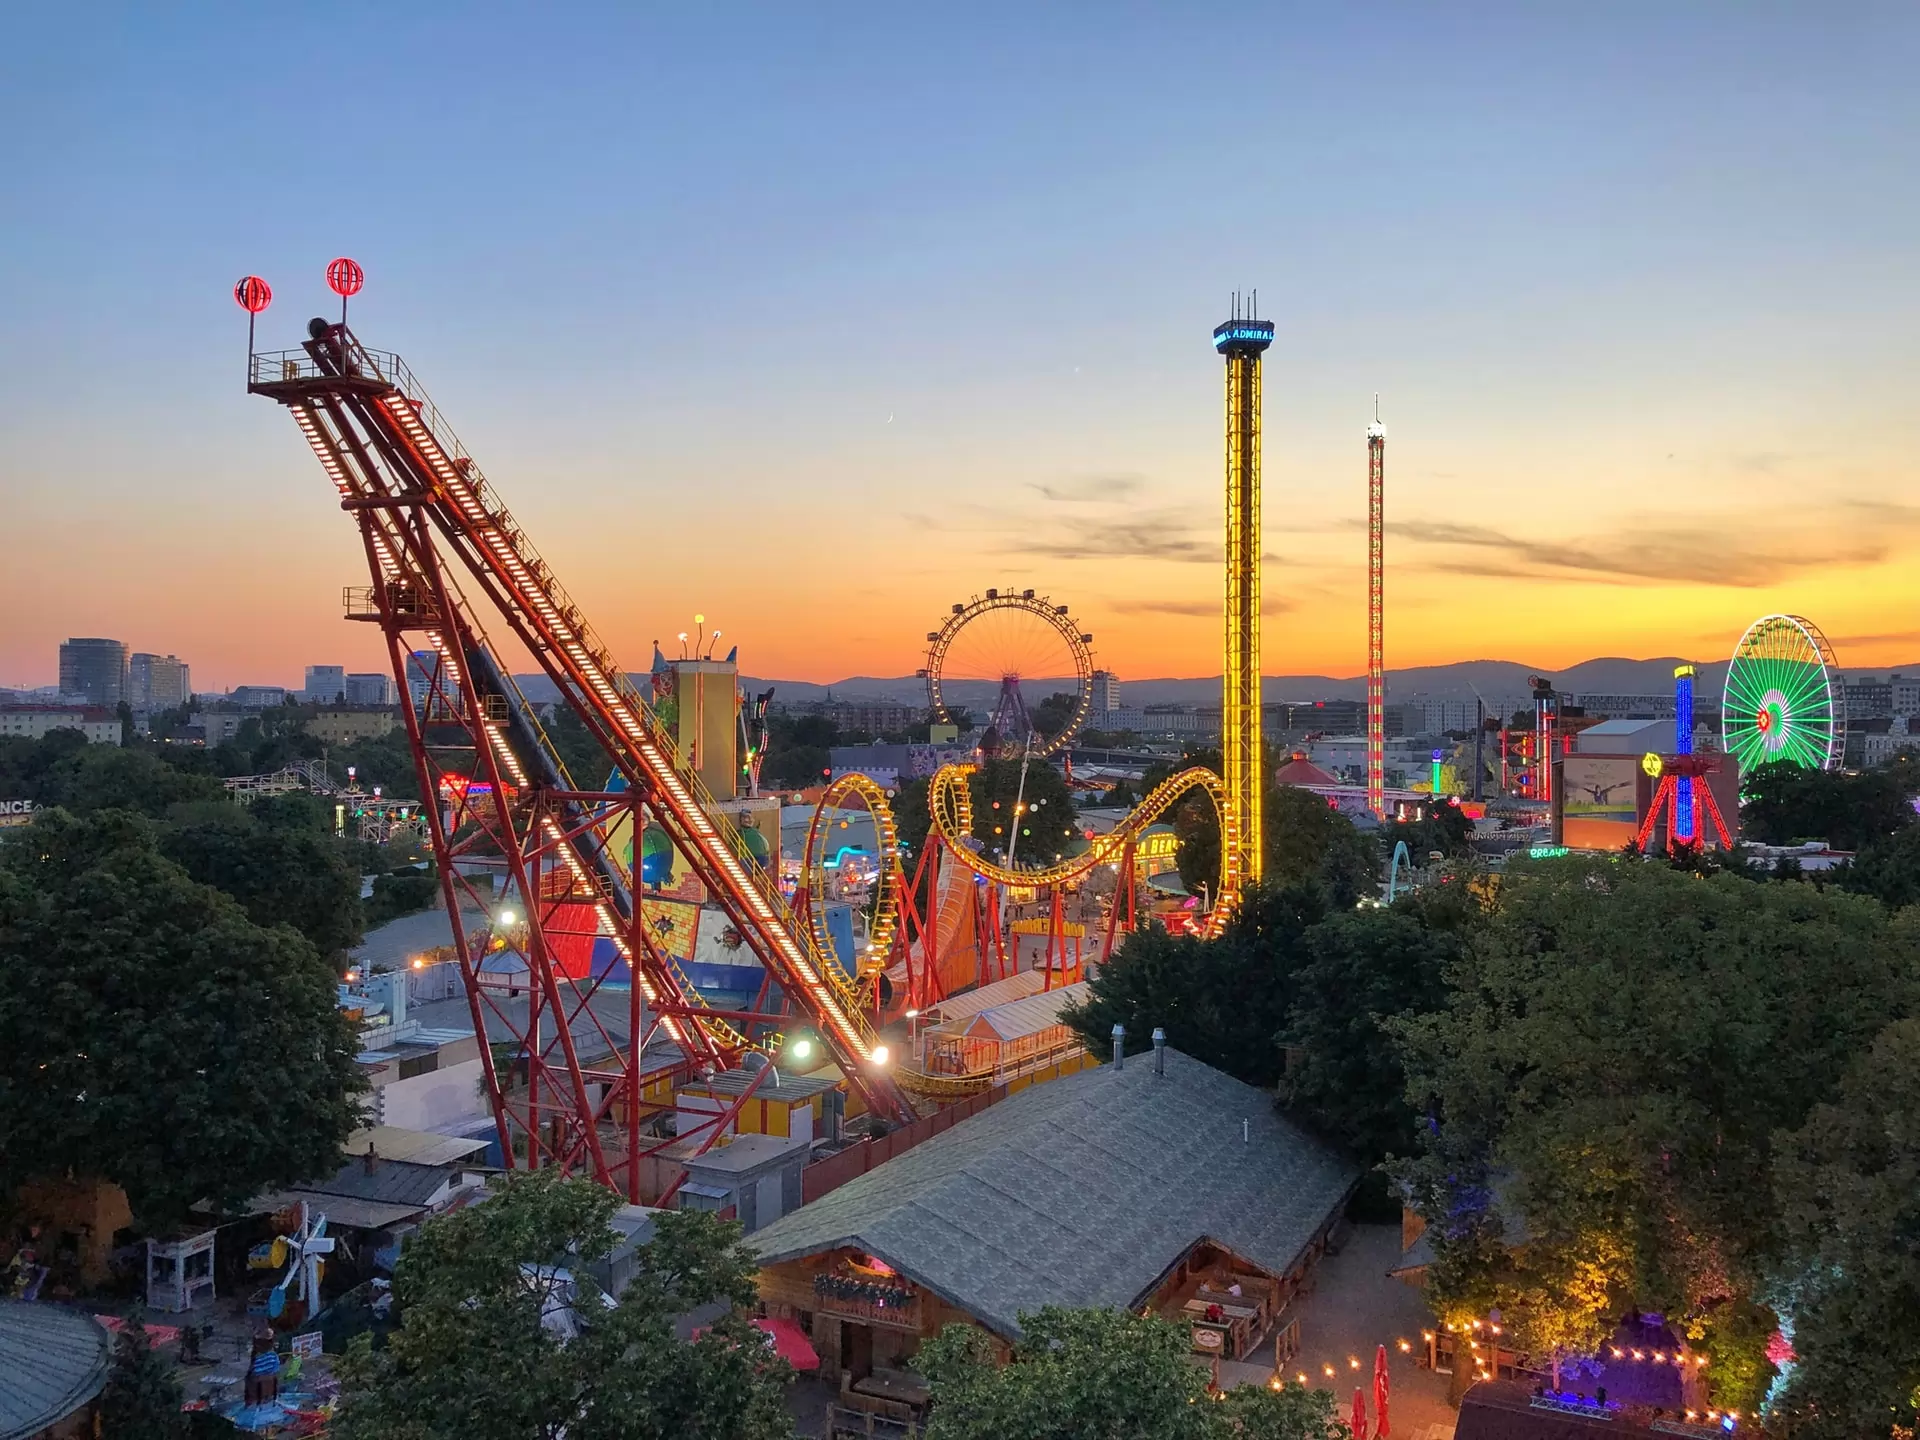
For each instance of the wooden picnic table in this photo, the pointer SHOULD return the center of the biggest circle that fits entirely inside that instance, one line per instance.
(892, 1385)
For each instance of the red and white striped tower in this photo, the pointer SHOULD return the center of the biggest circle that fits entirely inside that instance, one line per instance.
(1376, 616)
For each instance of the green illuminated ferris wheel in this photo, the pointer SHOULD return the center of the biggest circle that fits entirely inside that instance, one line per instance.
(1783, 699)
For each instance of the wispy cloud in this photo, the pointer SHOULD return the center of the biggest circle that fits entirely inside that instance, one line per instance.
(1891, 637)
(1149, 535)
(1725, 555)
(1269, 605)
(1089, 489)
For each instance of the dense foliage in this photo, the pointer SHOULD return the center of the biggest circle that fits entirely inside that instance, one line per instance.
(1784, 804)
(1619, 1047)
(142, 1396)
(472, 1359)
(1849, 1186)
(1293, 993)
(151, 1034)
(1102, 1375)
(1307, 841)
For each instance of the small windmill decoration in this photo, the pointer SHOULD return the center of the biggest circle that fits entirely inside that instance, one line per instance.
(302, 1253)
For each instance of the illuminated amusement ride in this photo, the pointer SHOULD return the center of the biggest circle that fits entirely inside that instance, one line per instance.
(999, 639)
(1783, 699)
(536, 864)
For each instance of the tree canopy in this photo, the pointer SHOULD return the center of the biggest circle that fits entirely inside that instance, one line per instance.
(142, 1396)
(1294, 995)
(1783, 804)
(1222, 1001)
(151, 1034)
(277, 856)
(1619, 1045)
(1849, 1187)
(472, 1359)
(1102, 1375)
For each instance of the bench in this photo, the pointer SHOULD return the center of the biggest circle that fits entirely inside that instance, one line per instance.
(867, 1425)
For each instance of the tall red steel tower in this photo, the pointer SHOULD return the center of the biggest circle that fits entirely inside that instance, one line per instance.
(581, 1066)
(1376, 615)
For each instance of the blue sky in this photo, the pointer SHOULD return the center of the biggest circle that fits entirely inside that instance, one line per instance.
(801, 317)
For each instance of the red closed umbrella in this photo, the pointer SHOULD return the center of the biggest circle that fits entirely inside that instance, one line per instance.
(1380, 1393)
(1359, 1420)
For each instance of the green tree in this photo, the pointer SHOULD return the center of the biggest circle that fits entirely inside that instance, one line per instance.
(141, 1399)
(1053, 714)
(402, 893)
(1100, 1375)
(1848, 1182)
(1222, 1001)
(1308, 841)
(1887, 869)
(1783, 804)
(1045, 827)
(585, 758)
(1447, 830)
(1623, 1041)
(1363, 970)
(86, 778)
(151, 1035)
(799, 749)
(387, 761)
(285, 876)
(472, 1359)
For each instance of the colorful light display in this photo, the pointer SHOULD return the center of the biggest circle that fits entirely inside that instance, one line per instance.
(1783, 700)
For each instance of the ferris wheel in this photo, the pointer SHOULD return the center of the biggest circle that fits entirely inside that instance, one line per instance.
(1007, 640)
(1783, 698)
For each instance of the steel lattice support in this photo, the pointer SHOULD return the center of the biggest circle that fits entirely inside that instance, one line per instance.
(1242, 342)
(1376, 615)
(574, 1092)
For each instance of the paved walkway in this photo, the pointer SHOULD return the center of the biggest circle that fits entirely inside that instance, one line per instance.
(1355, 1308)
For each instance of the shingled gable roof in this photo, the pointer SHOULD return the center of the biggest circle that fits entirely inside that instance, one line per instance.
(1083, 1191)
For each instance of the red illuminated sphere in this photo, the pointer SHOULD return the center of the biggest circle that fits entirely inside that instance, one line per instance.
(345, 277)
(253, 294)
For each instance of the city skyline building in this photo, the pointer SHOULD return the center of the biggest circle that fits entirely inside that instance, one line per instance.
(158, 682)
(1106, 692)
(95, 668)
(370, 688)
(325, 685)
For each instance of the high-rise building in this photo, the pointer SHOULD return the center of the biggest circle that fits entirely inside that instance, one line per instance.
(423, 670)
(1868, 698)
(158, 682)
(96, 669)
(1106, 692)
(326, 684)
(370, 689)
(1906, 694)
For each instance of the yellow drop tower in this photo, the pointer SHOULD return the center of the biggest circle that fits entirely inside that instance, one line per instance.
(1241, 341)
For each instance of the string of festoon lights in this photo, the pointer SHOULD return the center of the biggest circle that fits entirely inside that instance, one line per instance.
(1684, 1361)
(1331, 1371)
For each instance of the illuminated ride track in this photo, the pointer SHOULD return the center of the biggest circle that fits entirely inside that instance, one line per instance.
(906, 929)
(574, 1084)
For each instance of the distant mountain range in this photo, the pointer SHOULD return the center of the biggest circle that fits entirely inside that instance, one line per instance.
(1496, 681)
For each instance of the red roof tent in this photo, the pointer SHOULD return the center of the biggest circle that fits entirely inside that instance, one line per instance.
(1301, 771)
(787, 1340)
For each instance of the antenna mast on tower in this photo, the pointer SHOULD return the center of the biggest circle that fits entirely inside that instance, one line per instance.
(1376, 616)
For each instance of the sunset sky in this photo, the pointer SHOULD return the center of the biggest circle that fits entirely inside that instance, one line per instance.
(819, 318)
